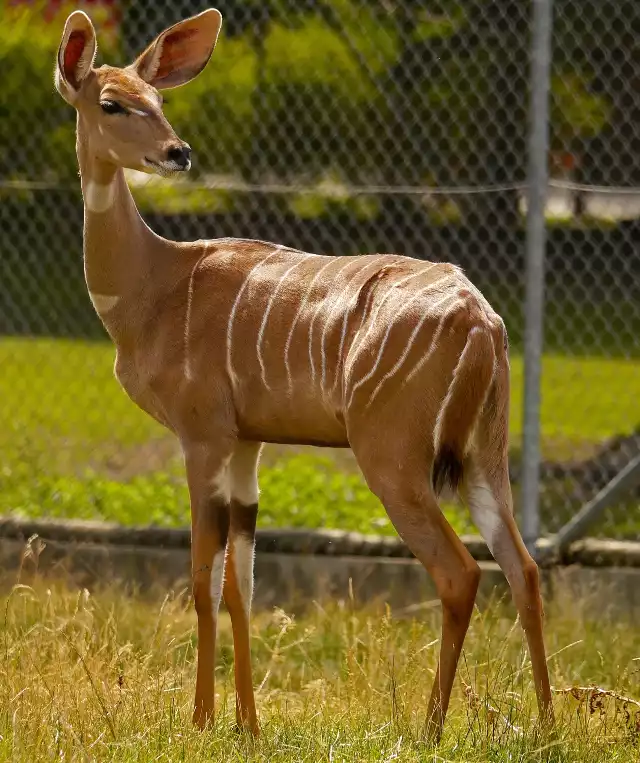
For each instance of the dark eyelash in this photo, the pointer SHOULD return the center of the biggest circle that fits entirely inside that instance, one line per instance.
(112, 107)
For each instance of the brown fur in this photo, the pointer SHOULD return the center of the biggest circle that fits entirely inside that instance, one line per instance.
(399, 359)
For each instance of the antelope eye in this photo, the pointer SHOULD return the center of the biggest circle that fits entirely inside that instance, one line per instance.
(112, 107)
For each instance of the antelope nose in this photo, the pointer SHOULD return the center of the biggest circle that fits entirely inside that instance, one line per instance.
(181, 155)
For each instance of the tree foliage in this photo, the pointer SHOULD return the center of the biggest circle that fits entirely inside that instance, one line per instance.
(366, 91)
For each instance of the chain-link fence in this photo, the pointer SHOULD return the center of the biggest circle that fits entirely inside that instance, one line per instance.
(340, 126)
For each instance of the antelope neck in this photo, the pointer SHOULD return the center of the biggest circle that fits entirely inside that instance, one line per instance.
(117, 241)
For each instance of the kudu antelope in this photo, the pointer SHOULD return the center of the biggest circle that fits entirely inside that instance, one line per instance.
(230, 343)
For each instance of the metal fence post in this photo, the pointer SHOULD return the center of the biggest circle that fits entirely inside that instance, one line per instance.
(535, 251)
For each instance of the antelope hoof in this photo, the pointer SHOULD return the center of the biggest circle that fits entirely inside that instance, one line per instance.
(202, 718)
(244, 726)
(433, 730)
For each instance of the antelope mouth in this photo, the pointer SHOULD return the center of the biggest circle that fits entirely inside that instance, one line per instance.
(167, 168)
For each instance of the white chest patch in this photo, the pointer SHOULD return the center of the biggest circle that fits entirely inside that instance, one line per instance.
(99, 197)
(103, 303)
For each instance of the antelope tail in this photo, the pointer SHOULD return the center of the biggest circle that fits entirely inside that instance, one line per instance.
(462, 405)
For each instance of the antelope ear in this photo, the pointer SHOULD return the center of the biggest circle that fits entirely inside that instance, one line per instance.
(181, 52)
(76, 54)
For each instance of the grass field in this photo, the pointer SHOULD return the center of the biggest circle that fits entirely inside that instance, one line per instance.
(106, 677)
(74, 445)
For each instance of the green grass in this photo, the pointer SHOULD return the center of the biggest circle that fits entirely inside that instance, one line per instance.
(74, 445)
(61, 402)
(107, 677)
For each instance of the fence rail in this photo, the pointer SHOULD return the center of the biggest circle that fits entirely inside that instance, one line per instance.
(490, 134)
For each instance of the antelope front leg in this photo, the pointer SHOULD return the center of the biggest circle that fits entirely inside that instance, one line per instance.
(208, 479)
(238, 583)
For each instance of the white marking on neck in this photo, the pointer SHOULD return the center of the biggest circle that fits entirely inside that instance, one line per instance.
(232, 314)
(267, 312)
(243, 556)
(296, 318)
(321, 304)
(113, 154)
(103, 303)
(407, 349)
(99, 197)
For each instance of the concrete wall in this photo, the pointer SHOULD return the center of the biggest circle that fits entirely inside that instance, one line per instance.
(294, 568)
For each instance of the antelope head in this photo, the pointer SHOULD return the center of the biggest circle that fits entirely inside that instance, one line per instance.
(120, 117)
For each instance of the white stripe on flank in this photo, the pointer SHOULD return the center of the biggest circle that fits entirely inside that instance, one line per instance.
(243, 554)
(407, 349)
(232, 314)
(104, 303)
(296, 318)
(343, 335)
(216, 581)
(382, 301)
(345, 317)
(263, 325)
(385, 338)
(355, 344)
(313, 320)
(346, 308)
(187, 320)
(434, 344)
(359, 340)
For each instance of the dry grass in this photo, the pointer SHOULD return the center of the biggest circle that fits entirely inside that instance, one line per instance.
(106, 676)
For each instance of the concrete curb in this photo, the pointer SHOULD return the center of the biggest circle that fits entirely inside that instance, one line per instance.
(294, 567)
(591, 552)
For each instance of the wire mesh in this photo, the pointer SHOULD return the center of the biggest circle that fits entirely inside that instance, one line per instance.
(336, 126)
